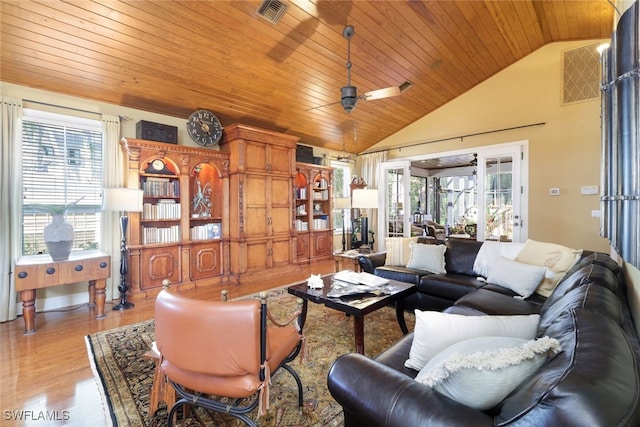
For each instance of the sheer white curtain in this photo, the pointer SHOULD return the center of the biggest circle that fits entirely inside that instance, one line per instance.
(10, 202)
(369, 164)
(112, 176)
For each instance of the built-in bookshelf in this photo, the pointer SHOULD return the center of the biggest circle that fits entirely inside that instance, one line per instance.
(313, 212)
(180, 233)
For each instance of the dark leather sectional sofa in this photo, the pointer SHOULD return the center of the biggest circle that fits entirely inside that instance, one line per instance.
(593, 381)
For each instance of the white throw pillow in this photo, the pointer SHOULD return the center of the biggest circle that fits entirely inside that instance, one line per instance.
(556, 258)
(481, 372)
(427, 257)
(398, 251)
(490, 251)
(517, 276)
(434, 331)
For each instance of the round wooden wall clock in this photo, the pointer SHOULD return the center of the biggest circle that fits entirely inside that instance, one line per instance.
(204, 128)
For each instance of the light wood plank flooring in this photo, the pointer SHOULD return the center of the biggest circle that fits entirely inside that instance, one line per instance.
(49, 371)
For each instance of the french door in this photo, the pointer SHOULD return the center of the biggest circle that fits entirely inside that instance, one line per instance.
(502, 200)
(395, 213)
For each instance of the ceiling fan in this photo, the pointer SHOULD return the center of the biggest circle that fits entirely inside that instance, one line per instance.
(349, 94)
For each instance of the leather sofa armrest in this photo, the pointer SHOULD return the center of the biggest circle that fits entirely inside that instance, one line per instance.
(373, 395)
(368, 263)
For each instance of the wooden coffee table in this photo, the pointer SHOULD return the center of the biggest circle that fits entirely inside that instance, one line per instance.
(355, 306)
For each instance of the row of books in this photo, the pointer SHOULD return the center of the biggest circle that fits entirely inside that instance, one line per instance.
(160, 234)
(161, 210)
(161, 187)
(206, 231)
(321, 223)
(321, 195)
(302, 225)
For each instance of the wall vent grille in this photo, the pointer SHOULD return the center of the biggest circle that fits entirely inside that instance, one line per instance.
(581, 79)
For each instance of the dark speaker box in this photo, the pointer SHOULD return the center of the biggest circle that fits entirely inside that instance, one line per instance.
(304, 154)
(156, 132)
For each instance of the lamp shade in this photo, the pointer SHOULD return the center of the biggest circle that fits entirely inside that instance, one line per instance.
(366, 198)
(122, 199)
(341, 203)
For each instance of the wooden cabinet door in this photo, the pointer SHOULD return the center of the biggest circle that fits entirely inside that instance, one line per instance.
(257, 255)
(281, 210)
(255, 206)
(158, 264)
(206, 260)
(281, 251)
(256, 160)
(302, 247)
(280, 160)
(321, 244)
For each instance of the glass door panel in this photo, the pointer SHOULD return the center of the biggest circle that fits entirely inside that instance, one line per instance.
(395, 221)
(501, 194)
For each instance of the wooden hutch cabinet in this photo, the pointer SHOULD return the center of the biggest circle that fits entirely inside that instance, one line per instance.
(313, 212)
(182, 233)
(262, 170)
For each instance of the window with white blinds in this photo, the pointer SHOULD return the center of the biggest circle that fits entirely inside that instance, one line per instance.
(61, 164)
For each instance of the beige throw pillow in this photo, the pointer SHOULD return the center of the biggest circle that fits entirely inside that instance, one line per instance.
(398, 250)
(556, 258)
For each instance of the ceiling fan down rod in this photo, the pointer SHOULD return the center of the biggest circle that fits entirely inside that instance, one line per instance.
(349, 94)
(347, 33)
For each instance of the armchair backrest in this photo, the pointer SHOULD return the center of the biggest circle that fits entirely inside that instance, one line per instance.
(212, 338)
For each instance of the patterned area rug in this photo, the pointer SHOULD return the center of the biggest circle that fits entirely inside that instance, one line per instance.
(127, 377)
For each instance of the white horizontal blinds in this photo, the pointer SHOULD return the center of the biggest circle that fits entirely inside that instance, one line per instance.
(62, 163)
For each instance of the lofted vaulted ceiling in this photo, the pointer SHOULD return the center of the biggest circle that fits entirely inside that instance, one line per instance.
(173, 57)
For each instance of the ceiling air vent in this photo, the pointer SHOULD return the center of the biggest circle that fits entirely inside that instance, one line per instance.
(272, 10)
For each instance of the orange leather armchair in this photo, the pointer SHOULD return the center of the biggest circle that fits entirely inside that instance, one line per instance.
(213, 349)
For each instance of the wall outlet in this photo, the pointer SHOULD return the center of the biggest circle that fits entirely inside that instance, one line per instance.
(554, 191)
(589, 190)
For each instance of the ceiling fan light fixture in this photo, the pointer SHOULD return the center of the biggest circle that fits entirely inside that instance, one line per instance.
(349, 98)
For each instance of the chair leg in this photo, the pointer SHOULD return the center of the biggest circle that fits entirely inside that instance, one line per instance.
(234, 410)
(296, 377)
(172, 415)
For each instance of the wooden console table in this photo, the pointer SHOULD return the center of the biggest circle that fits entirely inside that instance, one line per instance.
(40, 271)
(349, 260)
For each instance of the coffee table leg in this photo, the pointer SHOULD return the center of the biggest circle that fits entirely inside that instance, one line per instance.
(358, 331)
(400, 316)
(303, 316)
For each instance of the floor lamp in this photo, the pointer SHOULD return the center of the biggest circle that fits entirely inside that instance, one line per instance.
(342, 203)
(366, 198)
(123, 200)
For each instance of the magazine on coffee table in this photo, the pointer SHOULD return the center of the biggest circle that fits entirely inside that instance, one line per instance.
(361, 278)
(347, 283)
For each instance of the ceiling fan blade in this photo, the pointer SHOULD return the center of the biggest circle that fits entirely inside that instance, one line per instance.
(387, 92)
(322, 106)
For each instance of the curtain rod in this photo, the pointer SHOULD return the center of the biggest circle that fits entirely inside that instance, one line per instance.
(61, 106)
(460, 137)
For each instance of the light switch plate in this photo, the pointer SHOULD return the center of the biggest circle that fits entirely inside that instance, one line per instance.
(589, 190)
(555, 191)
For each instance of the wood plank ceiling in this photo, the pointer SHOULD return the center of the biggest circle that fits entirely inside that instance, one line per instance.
(173, 57)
